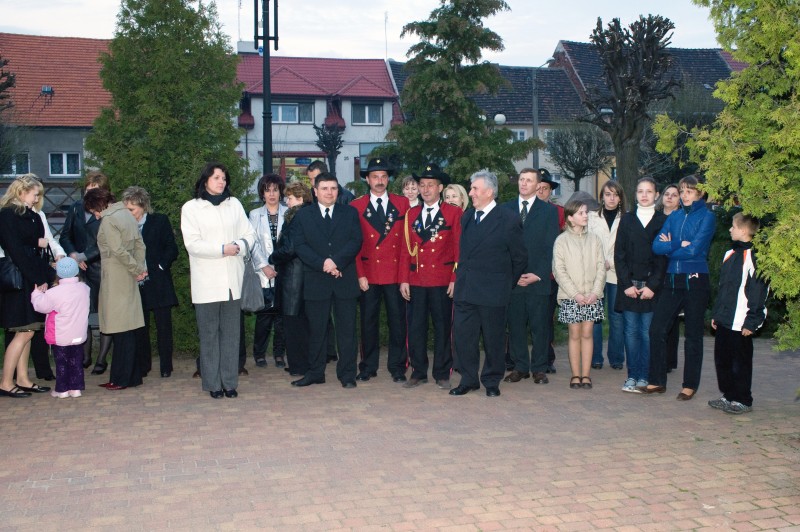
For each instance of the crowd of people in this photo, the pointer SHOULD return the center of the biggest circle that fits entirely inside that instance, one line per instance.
(488, 274)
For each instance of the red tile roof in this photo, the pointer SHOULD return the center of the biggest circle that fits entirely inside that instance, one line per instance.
(67, 64)
(310, 76)
(736, 66)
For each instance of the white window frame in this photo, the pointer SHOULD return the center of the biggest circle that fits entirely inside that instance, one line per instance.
(557, 178)
(14, 170)
(64, 157)
(277, 118)
(367, 115)
(519, 135)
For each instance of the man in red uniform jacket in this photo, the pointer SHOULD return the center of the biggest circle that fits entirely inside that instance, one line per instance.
(427, 274)
(381, 215)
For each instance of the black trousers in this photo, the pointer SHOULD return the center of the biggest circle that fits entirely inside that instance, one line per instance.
(296, 331)
(430, 301)
(163, 321)
(551, 310)
(469, 323)
(125, 369)
(673, 338)
(733, 358)
(344, 315)
(691, 295)
(528, 312)
(267, 321)
(370, 328)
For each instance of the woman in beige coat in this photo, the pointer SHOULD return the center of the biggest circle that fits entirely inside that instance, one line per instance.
(579, 269)
(122, 266)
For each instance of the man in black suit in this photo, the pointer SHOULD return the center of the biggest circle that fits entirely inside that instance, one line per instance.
(491, 260)
(327, 239)
(531, 297)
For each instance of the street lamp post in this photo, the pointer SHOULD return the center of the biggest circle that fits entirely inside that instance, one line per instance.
(265, 38)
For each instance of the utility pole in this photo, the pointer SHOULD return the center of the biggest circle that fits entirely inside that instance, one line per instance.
(264, 39)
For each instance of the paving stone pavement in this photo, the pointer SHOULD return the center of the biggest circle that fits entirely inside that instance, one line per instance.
(380, 457)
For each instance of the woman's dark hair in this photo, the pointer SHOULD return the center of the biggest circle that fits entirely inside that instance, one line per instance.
(691, 181)
(98, 178)
(613, 186)
(97, 199)
(208, 171)
(267, 180)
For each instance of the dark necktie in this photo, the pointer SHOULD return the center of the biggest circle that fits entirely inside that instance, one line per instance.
(478, 215)
(524, 213)
(381, 212)
(428, 219)
(327, 214)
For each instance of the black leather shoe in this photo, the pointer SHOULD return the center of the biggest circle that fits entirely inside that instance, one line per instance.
(99, 369)
(261, 362)
(399, 378)
(366, 375)
(166, 374)
(231, 393)
(307, 381)
(216, 394)
(492, 391)
(463, 389)
(550, 369)
(597, 366)
(348, 384)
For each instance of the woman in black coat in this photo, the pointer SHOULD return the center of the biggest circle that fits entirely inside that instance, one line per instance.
(289, 292)
(640, 273)
(157, 290)
(79, 240)
(22, 239)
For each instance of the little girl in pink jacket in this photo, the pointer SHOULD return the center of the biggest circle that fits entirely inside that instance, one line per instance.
(67, 309)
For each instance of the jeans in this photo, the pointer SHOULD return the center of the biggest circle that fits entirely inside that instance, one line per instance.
(637, 343)
(616, 340)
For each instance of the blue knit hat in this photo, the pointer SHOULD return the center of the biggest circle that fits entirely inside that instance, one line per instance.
(66, 268)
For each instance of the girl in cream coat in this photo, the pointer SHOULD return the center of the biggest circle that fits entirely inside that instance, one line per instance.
(579, 269)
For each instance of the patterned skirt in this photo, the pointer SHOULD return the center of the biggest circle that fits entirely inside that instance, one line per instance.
(570, 312)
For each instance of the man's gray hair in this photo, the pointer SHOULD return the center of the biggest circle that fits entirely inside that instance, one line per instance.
(488, 177)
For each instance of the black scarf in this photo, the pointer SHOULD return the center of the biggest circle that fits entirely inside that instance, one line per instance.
(215, 200)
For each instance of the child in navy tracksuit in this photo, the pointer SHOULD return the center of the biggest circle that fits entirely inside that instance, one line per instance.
(738, 312)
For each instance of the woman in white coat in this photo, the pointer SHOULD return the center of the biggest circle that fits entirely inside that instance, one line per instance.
(215, 229)
(267, 221)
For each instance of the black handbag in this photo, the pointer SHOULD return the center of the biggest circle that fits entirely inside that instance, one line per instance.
(10, 276)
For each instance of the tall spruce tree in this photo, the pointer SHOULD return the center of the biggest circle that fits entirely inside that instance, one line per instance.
(751, 154)
(172, 78)
(443, 124)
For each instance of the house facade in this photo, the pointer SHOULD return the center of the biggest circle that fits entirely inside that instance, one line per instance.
(57, 96)
(354, 94)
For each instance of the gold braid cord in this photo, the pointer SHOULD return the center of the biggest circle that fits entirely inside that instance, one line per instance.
(415, 252)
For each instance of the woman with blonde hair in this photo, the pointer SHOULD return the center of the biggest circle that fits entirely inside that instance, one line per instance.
(22, 238)
(411, 190)
(456, 195)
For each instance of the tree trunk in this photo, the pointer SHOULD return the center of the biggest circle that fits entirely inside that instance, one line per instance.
(628, 169)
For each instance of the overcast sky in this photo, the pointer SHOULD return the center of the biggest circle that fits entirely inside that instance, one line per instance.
(371, 28)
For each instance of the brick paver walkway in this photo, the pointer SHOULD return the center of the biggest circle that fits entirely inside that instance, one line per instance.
(540, 457)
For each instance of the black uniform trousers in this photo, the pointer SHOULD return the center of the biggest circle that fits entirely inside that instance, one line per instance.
(469, 322)
(370, 328)
(430, 301)
(529, 312)
(297, 332)
(163, 321)
(344, 315)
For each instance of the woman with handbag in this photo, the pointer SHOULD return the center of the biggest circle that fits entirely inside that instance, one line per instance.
(267, 221)
(22, 238)
(215, 229)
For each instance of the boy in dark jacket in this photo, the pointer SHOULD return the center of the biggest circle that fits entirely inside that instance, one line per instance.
(738, 312)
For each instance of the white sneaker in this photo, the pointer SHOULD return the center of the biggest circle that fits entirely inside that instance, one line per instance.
(74, 393)
(630, 386)
(59, 395)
